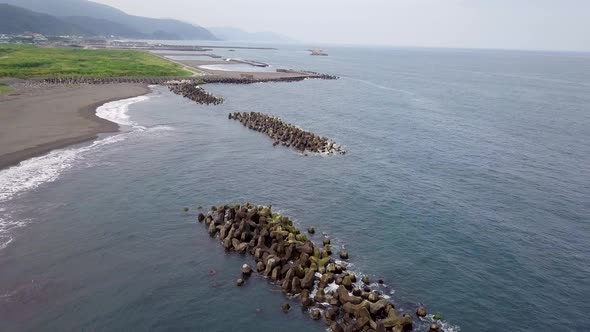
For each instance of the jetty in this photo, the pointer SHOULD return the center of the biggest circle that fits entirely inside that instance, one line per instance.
(305, 271)
(286, 134)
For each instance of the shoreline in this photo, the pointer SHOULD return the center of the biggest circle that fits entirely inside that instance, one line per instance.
(47, 118)
(45, 114)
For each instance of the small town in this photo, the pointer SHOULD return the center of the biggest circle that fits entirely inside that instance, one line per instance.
(91, 42)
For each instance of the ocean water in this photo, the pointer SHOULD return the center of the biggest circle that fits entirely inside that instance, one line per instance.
(466, 188)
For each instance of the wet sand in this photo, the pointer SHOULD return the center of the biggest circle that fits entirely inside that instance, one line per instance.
(36, 120)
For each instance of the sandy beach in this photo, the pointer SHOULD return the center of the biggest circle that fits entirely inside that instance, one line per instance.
(36, 120)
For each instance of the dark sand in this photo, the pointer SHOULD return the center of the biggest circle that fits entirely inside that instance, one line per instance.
(36, 120)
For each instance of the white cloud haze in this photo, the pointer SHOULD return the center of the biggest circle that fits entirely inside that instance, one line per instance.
(517, 24)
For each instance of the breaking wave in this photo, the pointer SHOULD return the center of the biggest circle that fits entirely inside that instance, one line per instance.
(32, 173)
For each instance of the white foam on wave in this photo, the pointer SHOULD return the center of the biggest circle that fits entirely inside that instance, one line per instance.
(331, 287)
(5, 240)
(445, 326)
(31, 173)
(161, 128)
(117, 112)
(382, 288)
(379, 86)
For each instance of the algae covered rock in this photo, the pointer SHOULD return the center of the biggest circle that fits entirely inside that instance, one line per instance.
(320, 296)
(379, 307)
(286, 307)
(315, 314)
(301, 237)
(434, 328)
(347, 282)
(373, 297)
(358, 310)
(307, 281)
(296, 285)
(344, 254)
(336, 327)
(305, 298)
(421, 312)
(331, 268)
(344, 297)
(394, 320)
(265, 212)
(332, 313)
(301, 268)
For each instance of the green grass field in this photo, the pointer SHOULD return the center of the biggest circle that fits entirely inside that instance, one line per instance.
(29, 61)
(4, 88)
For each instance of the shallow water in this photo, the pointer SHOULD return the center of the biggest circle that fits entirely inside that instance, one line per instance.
(465, 187)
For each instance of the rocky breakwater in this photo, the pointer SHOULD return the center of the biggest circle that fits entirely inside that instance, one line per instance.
(309, 73)
(192, 91)
(285, 255)
(302, 75)
(106, 80)
(286, 134)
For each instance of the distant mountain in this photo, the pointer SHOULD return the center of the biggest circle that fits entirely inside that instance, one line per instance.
(169, 28)
(100, 27)
(16, 20)
(230, 33)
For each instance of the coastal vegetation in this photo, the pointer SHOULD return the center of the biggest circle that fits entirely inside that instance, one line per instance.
(4, 88)
(25, 61)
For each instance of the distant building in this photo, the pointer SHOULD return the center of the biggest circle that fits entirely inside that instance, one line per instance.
(95, 41)
(24, 38)
(27, 37)
(39, 38)
(129, 44)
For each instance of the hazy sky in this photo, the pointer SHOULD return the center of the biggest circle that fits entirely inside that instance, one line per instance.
(520, 24)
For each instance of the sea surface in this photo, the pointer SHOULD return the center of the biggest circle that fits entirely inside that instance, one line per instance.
(466, 187)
